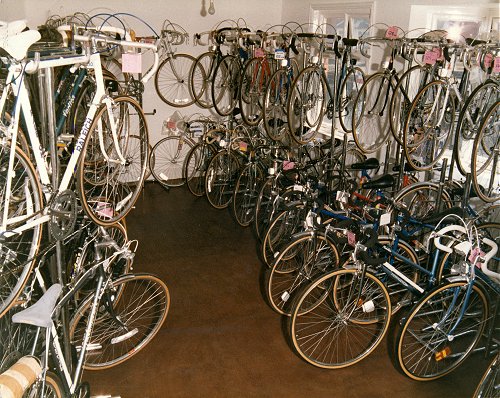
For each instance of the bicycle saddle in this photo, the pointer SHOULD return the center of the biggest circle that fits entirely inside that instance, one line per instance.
(368, 164)
(385, 181)
(40, 313)
(11, 28)
(17, 45)
(435, 218)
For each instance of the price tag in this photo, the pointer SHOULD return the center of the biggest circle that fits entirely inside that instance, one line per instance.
(391, 32)
(385, 218)
(496, 66)
(488, 61)
(342, 197)
(259, 53)
(132, 63)
(171, 124)
(351, 238)
(430, 57)
(243, 146)
(439, 53)
(105, 209)
(474, 254)
(298, 188)
(279, 54)
(288, 165)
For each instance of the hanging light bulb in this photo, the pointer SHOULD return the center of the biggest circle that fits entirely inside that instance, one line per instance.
(211, 9)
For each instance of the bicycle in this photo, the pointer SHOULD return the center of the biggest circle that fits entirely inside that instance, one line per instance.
(107, 179)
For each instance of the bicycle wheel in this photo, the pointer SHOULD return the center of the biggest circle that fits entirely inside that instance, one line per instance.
(485, 153)
(275, 104)
(245, 194)
(220, 179)
(489, 386)
(469, 122)
(172, 80)
(334, 328)
(200, 78)
(429, 126)
(138, 313)
(370, 116)
(111, 171)
(349, 90)
(298, 263)
(306, 105)
(225, 85)
(17, 251)
(167, 160)
(53, 388)
(421, 199)
(195, 167)
(281, 230)
(408, 86)
(435, 338)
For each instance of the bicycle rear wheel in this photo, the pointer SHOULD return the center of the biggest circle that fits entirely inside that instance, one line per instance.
(485, 156)
(200, 78)
(253, 83)
(111, 172)
(167, 160)
(195, 167)
(172, 80)
(138, 313)
(339, 319)
(435, 338)
(17, 251)
(429, 126)
(349, 90)
(225, 85)
(246, 193)
(275, 104)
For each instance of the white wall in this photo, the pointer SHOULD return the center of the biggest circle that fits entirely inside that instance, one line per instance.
(257, 13)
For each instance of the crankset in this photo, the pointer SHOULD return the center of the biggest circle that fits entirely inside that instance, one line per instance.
(63, 214)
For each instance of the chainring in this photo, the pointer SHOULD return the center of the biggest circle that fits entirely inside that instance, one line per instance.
(63, 215)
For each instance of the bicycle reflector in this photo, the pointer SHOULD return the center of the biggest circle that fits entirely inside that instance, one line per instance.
(440, 355)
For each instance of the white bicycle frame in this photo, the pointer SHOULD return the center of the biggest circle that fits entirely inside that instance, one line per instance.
(15, 78)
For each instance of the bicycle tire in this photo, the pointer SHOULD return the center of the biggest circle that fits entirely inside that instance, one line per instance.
(253, 82)
(298, 263)
(424, 352)
(220, 179)
(370, 116)
(429, 126)
(306, 105)
(421, 199)
(18, 251)
(274, 112)
(319, 328)
(201, 79)
(485, 166)
(246, 193)
(172, 86)
(195, 167)
(349, 89)
(489, 385)
(167, 158)
(469, 122)
(225, 85)
(405, 91)
(109, 188)
(54, 387)
(142, 307)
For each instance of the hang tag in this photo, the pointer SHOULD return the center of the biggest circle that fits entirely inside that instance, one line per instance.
(132, 63)
(279, 54)
(385, 218)
(430, 57)
(474, 254)
(496, 66)
(171, 124)
(391, 33)
(488, 61)
(298, 188)
(351, 238)
(243, 146)
(259, 53)
(288, 165)
(105, 209)
(439, 53)
(342, 197)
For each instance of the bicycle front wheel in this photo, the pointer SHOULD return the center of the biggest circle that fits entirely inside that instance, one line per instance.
(225, 85)
(349, 90)
(195, 167)
(172, 80)
(137, 306)
(436, 337)
(167, 160)
(113, 161)
(489, 386)
(339, 319)
(246, 193)
(220, 179)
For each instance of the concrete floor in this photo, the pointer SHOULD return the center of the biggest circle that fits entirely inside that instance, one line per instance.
(220, 338)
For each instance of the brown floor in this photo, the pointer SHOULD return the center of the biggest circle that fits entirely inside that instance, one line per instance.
(220, 338)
